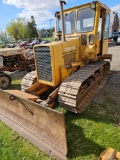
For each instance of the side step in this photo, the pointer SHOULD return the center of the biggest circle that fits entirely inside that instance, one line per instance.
(42, 126)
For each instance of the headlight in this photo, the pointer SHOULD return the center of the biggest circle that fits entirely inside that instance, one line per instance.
(91, 39)
(84, 40)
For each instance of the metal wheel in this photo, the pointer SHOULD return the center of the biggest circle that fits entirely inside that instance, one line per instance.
(5, 81)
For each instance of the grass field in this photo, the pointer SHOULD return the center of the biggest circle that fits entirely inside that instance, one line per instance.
(48, 38)
(88, 134)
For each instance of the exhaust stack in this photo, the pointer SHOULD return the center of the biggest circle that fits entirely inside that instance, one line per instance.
(62, 18)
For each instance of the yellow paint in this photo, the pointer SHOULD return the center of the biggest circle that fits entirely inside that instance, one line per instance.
(109, 154)
(72, 51)
(38, 88)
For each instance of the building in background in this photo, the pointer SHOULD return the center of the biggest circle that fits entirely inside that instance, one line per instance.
(44, 33)
(114, 23)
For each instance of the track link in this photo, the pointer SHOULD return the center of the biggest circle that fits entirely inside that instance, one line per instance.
(78, 90)
(28, 80)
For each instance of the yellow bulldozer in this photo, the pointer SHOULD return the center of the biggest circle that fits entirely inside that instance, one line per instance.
(69, 72)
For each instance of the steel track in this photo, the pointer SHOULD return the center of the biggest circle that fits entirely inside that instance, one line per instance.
(28, 80)
(78, 90)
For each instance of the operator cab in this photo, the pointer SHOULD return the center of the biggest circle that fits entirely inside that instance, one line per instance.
(89, 21)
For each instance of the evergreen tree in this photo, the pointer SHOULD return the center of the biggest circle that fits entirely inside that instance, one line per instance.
(31, 28)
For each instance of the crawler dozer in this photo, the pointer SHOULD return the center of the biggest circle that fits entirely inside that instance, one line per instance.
(69, 72)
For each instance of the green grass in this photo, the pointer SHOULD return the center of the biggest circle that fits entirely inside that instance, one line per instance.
(16, 84)
(92, 132)
(48, 38)
(88, 134)
(14, 147)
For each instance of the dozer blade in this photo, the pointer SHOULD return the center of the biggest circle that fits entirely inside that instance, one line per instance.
(42, 126)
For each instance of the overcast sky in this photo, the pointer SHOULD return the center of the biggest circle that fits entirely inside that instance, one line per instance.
(42, 10)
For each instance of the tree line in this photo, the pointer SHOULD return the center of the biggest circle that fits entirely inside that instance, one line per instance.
(20, 28)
